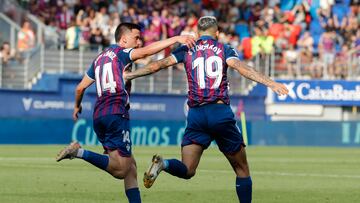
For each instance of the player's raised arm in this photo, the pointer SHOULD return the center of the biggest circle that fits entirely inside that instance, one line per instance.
(155, 47)
(256, 76)
(151, 68)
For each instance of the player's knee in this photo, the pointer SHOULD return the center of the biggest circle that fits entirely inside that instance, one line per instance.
(242, 169)
(190, 174)
(118, 174)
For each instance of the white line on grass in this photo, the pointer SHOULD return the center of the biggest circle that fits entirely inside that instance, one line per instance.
(286, 174)
(26, 159)
(46, 159)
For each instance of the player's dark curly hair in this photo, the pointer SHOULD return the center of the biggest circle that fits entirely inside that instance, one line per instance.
(123, 28)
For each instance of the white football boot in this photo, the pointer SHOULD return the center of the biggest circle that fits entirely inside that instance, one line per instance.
(154, 170)
(69, 152)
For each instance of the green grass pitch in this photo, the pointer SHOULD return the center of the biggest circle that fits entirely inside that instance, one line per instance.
(30, 174)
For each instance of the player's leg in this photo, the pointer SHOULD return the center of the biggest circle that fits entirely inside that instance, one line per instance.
(243, 179)
(74, 150)
(113, 163)
(194, 142)
(185, 169)
(113, 133)
(230, 142)
(131, 184)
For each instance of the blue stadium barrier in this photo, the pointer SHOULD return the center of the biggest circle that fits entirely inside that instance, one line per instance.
(322, 92)
(58, 103)
(165, 133)
(305, 133)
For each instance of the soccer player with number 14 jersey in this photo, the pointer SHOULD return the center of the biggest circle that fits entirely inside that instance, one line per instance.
(111, 116)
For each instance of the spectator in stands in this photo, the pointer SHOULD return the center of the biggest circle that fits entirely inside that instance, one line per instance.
(284, 21)
(256, 12)
(156, 21)
(299, 14)
(305, 47)
(97, 39)
(26, 39)
(279, 16)
(327, 52)
(175, 26)
(72, 36)
(64, 17)
(151, 35)
(102, 20)
(63, 20)
(118, 6)
(85, 28)
(188, 30)
(342, 62)
(317, 68)
(6, 53)
(291, 59)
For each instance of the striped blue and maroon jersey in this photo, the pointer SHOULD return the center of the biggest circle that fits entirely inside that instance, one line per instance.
(206, 68)
(107, 71)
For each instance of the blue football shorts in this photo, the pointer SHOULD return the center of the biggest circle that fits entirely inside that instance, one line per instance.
(113, 131)
(213, 122)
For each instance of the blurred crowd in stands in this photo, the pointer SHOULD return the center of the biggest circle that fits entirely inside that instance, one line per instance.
(313, 36)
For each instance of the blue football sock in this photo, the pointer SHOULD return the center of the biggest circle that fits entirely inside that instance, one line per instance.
(98, 160)
(176, 168)
(133, 195)
(244, 189)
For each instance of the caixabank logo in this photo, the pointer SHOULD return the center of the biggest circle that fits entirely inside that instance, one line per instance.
(321, 92)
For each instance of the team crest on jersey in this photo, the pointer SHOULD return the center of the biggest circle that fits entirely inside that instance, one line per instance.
(127, 50)
(235, 52)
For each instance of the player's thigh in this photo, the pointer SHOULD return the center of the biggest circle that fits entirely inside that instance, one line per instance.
(224, 129)
(196, 129)
(239, 163)
(117, 135)
(191, 155)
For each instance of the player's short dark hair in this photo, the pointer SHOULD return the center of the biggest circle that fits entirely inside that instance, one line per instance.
(207, 22)
(123, 28)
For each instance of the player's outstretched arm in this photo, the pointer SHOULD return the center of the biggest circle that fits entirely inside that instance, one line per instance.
(256, 76)
(79, 93)
(151, 68)
(155, 47)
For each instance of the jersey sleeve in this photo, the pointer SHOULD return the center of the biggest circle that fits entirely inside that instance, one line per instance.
(179, 53)
(230, 53)
(91, 72)
(125, 55)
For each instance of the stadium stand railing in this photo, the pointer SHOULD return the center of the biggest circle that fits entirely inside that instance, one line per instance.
(51, 57)
(54, 60)
(42, 36)
(9, 30)
(172, 80)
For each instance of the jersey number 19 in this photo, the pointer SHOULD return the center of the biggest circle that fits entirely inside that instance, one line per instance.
(206, 66)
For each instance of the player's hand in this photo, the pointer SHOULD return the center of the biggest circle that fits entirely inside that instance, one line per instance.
(188, 40)
(279, 88)
(77, 110)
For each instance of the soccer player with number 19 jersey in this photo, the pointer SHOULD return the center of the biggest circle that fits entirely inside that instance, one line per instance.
(210, 116)
(111, 116)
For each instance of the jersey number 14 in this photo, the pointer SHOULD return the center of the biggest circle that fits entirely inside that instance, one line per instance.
(212, 67)
(107, 82)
